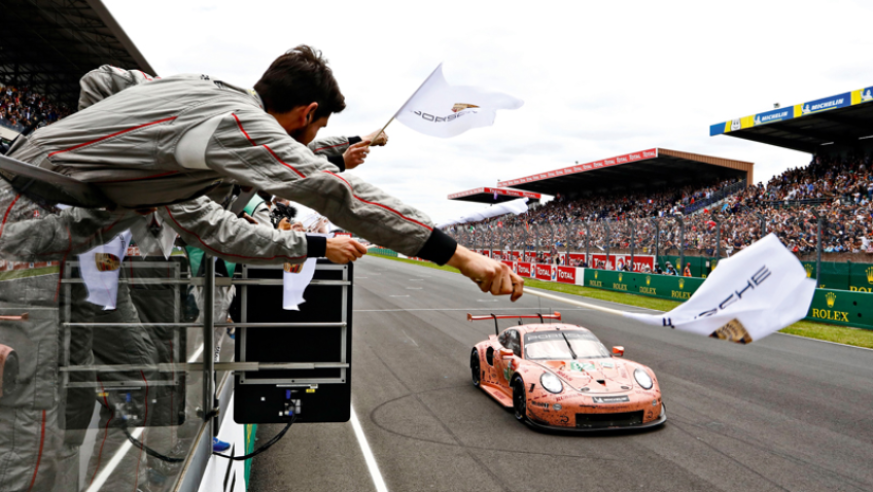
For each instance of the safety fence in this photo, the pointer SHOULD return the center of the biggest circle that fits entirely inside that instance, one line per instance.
(839, 307)
(692, 245)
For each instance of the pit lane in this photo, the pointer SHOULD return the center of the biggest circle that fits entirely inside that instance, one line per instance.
(784, 413)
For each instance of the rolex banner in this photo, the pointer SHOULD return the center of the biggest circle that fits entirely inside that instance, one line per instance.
(760, 290)
(441, 110)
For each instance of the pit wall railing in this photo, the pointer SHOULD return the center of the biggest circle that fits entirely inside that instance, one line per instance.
(692, 245)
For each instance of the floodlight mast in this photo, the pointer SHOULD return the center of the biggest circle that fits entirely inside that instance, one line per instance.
(471, 317)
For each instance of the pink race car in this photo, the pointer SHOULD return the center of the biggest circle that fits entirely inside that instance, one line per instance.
(561, 376)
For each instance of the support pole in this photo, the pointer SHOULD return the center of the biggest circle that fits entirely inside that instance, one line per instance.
(209, 344)
(588, 244)
(608, 239)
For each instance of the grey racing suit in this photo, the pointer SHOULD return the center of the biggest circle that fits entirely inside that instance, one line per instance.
(133, 146)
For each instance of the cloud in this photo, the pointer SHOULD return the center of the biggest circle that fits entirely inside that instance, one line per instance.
(599, 79)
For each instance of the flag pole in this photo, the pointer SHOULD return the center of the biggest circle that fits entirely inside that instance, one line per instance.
(383, 129)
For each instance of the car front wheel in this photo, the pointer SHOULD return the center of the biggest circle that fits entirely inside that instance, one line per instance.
(475, 368)
(519, 400)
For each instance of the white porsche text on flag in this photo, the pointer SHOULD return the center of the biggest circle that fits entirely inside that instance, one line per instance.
(760, 290)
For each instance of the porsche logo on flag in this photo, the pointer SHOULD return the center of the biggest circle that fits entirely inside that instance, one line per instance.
(733, 331)
(293, 267)
(462, 106)
(106, 262)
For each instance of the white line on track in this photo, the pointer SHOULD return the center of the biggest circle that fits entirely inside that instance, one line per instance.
(119, 455)
(372, 466)
(456, 309)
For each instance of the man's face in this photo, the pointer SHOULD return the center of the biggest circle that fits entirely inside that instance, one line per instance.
(307, 134)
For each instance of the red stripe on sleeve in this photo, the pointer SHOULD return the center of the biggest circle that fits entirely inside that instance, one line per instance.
(289, 166)
(112, 135)
(379, 204)
(222, 252)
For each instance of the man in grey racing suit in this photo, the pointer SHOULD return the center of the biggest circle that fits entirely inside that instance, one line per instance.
(165, 144)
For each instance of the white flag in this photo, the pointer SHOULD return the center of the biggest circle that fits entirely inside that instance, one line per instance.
(760, 290)
(514, 207)
(441, 110)
(99, 268)
(297, 277)
(295, 280)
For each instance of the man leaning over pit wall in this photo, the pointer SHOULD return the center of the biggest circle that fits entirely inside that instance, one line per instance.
(165, 144)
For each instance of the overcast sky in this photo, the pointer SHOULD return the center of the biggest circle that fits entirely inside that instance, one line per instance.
(599, 79)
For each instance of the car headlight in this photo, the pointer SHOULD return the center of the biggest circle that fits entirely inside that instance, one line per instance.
(643, 379)
(551, 383)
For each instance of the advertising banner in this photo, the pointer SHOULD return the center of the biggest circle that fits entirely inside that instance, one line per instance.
(662, 286)
(566, 275)
(543, 272)
(845, 308)
(523, 269)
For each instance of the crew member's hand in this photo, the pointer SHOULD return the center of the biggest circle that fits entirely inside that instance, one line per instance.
(248, 218)
(286, 225)
(378, 139)
(354, 156)
(344, 249)
(490, 275)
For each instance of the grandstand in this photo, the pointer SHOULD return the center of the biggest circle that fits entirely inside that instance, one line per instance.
(692, 210)
(45, 48)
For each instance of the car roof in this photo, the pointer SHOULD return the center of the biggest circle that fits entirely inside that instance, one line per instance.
(534, 327)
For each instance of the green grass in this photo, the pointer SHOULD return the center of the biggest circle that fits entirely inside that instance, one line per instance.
(820, 331)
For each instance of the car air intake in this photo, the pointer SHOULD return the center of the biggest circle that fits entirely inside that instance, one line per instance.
(604, 420)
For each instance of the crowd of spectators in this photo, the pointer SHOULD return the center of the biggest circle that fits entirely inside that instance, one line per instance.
(837, 189)
(21, 107)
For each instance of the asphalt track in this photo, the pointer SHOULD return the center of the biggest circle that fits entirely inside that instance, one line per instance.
(782, 414)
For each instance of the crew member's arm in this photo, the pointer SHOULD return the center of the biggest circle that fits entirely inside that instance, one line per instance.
(57, 237)
(251, 147)
(107, 80)
(205, 224)
(347, 152)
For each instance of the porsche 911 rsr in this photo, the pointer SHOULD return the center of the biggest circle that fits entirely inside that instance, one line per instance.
(561, 376)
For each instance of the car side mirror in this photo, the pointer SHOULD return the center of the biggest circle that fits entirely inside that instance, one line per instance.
(618, 350)
(504, 353)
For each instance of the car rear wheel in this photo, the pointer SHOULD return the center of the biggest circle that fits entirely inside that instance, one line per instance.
(519, 400)
(475, 368)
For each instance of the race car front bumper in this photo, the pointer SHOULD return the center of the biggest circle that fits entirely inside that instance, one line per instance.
(606, 427)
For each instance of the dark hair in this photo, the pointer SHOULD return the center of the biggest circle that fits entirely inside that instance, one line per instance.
(300, 77)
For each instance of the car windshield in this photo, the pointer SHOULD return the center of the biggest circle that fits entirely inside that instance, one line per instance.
(551, 345)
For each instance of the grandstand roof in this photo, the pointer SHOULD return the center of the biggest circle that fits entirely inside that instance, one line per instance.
(647, 168)
(493, 195)
(48, 45)
(836, 122)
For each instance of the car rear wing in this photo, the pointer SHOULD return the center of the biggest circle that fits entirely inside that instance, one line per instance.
(471, 317)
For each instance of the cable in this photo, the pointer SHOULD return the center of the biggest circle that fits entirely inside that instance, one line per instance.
(149, 451)
(263, 448)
